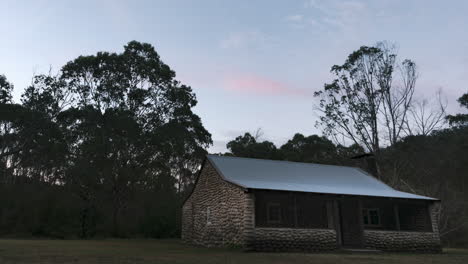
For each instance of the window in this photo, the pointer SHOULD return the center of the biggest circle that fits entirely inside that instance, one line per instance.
(273, 213)
(290, 210)
(371, 217)
(208, 212)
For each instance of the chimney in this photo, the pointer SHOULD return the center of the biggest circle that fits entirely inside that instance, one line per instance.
(367, 162)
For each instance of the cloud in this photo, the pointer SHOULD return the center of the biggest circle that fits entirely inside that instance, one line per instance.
(312, 21)
(300, 21)
(294, 18)
(339, 15)
(258, 85)
(311, 4)
(237, 40)
(350, 9)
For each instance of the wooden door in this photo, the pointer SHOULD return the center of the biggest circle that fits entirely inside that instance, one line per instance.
(351, 223)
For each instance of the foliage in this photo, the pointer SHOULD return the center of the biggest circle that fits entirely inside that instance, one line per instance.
(110, 131)
(5, 90)
(300, 148)
(370, 101)
(460, 120)
(248, 146)
(352, 104)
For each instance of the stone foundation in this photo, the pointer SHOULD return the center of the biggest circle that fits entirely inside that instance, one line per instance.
(402, 241)
(410, 241)
(292, 239)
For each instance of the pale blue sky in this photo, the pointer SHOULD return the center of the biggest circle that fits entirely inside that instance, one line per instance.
(252, 64)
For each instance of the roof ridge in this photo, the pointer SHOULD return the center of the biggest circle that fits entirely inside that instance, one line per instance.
(289, 161)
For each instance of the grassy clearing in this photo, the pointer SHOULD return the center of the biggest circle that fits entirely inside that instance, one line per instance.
(173, 251)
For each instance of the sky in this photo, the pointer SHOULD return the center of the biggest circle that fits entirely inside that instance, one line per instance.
(252, 64)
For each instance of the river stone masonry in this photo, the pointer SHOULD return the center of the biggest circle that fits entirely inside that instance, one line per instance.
(409, 241)
(214, 214)
(291, 239)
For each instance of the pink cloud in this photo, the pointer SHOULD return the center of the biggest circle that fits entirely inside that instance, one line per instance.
(258, 85)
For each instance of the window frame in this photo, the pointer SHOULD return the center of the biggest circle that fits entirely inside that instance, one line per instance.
(366, 215)
(268, 207)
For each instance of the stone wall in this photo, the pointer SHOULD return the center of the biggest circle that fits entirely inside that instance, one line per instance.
(412, 241)
(434, 212)
(213, 215)
(402, 241)
(292, 239)
(249, 222)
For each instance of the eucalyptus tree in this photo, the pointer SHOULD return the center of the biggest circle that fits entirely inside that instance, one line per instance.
(5, 90)
(5, 127)
(313, 148)
(460, 120)
(249, 146)
(128, 126)
(363, 103)
(370, 101)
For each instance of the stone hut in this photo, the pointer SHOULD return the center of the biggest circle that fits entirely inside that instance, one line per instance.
(268, 205)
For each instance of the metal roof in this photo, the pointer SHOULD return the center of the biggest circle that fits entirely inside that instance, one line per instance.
(303, 177)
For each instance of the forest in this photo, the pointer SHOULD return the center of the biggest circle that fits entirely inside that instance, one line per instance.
(110, 146)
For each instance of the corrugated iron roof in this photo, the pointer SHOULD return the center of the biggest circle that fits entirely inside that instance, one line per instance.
(303, 177)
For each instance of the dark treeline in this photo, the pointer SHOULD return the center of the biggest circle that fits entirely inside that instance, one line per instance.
(106, 147)
(314, 148)
(109, 146)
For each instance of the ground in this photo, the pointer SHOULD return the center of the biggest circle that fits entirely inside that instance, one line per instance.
(173, 251)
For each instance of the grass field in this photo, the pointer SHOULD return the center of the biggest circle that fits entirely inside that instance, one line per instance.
(173, 251)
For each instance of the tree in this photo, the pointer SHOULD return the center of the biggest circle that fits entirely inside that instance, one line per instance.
(5, 126)
(427, 116)
(369, 101)
(460, 120)
(128, 126)
(108, 145)
(313, 148)
(30, 141)
(248, 147)
(142, 115)
(5, 90)
(45, 153)
(363, 100)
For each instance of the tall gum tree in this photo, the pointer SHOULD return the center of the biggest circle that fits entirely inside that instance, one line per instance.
(128, 125)
(370, 100)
